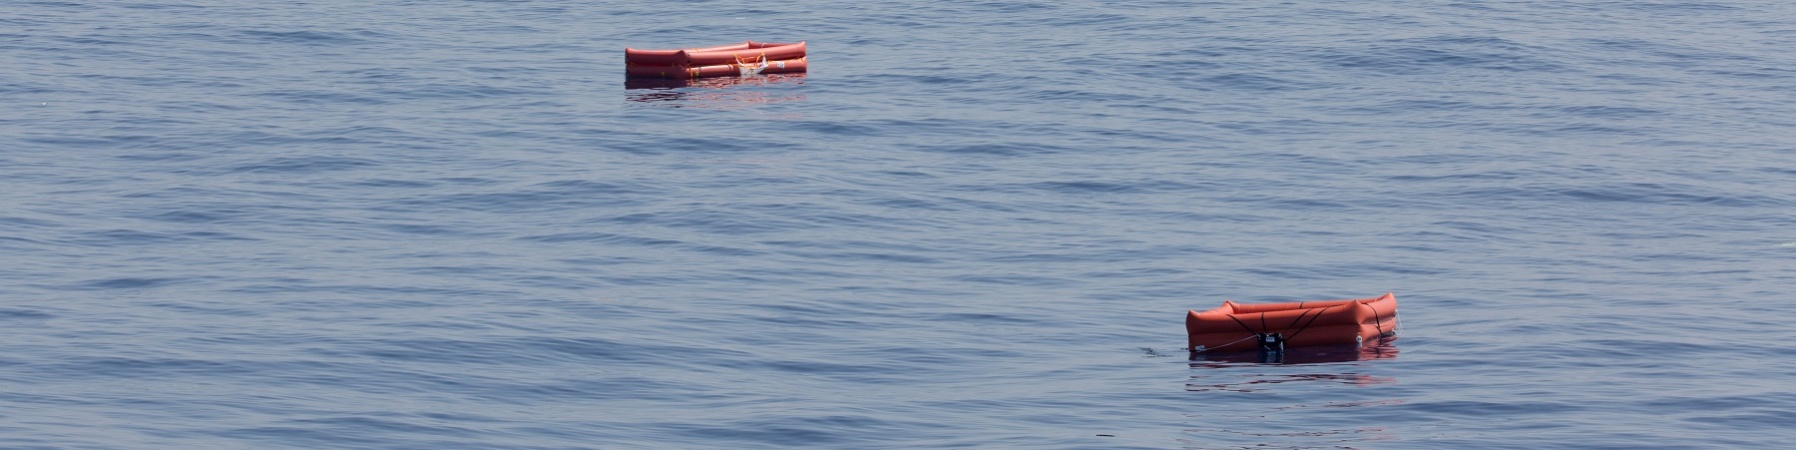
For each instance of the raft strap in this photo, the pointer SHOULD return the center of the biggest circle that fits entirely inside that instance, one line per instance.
(1267, 342)
(1306, 325)
(1272, 342)
(1378, 321)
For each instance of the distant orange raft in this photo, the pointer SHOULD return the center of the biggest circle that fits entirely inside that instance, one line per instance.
(747, 58)
(1275, 326)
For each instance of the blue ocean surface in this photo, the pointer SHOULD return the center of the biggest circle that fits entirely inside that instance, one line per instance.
(973, 224)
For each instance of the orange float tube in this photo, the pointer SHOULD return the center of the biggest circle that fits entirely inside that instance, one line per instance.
(1275, 326)
(729, 60)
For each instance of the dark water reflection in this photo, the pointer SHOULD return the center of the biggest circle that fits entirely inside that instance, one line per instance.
(1338, 439)
(1319, 396)
(713, 92)
(1256, 382)
(1306, 355)
(373, 225)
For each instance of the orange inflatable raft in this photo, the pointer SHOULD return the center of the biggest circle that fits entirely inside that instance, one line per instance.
(1274, 326)
(747, 58)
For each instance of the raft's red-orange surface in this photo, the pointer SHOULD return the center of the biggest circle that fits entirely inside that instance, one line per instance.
(1233, 326)
(720, 70)
(728, 60)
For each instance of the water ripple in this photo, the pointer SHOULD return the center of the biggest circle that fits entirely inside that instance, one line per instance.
(972, 224)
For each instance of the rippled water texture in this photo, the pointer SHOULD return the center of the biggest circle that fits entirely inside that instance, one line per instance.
(973, 224)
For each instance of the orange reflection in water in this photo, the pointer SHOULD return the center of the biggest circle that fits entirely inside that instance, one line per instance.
(1334, 439)
(1259, 382)
(1268, 401)
(1296, 356)
(1305, 355)
(711, 92)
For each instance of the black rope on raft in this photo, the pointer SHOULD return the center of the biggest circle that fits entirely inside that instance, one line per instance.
(1300, 317)
(1243, 325)
(1312, 321)
(1379, 322)
(1268, 342)
(1251, 334)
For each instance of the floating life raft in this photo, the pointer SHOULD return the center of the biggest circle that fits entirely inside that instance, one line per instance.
(1274, 326)
(747, 58)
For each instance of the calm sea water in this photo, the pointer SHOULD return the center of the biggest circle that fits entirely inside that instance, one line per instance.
(973, 224)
